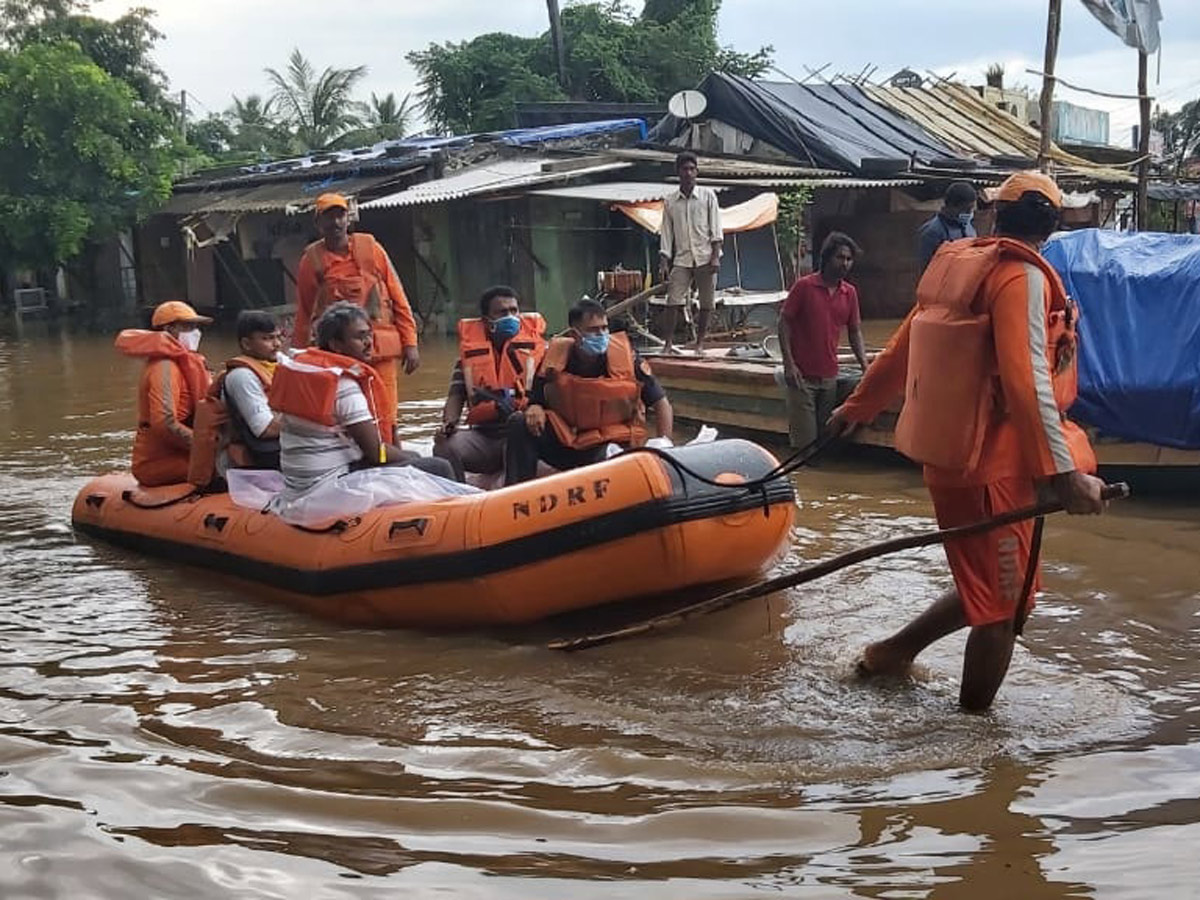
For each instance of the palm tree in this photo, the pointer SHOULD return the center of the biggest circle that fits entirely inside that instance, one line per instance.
(253, 112)
(255, 126)
(318, 107)
(386, 119)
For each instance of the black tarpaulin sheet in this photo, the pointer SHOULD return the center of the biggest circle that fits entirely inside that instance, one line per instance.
(825, 125)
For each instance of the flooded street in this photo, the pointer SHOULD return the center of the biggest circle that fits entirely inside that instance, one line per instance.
(166, 734)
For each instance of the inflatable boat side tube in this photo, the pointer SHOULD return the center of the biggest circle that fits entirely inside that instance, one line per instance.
(691, 500)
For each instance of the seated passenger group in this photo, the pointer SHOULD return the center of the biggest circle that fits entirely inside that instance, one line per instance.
(320, 412)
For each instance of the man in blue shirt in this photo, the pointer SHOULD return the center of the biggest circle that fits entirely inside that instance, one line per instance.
(952, 223)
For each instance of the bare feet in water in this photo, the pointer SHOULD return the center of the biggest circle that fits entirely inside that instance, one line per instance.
(880, 659)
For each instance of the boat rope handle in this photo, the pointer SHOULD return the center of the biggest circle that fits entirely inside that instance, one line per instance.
(800, 458)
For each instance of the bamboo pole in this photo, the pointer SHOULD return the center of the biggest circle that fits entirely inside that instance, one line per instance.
(556, 37)
(1053, 29)
(1143, 171)
(819, 570)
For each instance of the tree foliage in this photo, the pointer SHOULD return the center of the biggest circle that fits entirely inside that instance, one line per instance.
(1181, 134)
(384, 119)
(319, 108)
(387, 119)
(121, 48)
(18, 16)
(81, 155)
(474, 86)
(256, 129)
(612, 54)
(790, 232)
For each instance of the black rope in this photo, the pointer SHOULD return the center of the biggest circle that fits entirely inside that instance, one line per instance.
(797, 460)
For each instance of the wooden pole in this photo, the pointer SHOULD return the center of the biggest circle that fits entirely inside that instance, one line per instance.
(655, 289)
(556, 38)
(1053, 29)
(1143, 202)
(819, 570)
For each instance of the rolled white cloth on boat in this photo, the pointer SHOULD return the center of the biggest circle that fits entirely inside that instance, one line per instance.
(342, 497)
(706, 435)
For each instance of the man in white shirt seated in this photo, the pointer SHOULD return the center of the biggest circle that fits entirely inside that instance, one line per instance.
(331, 400)
(253, 429)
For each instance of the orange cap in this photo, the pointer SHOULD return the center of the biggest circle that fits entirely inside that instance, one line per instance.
(1015, 186)
(331, 201)
(176, 311)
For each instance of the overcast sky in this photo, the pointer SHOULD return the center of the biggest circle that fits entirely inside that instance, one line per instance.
(218, 48)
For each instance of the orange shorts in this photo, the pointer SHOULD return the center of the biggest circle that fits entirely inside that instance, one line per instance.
(990, 568)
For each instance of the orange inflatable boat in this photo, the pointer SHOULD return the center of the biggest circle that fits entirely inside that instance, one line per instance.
(636, 525)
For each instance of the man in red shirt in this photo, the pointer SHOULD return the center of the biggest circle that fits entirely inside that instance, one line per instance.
(816, 310)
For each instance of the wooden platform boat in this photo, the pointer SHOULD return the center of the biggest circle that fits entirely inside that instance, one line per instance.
(745, 394)
(637, 525)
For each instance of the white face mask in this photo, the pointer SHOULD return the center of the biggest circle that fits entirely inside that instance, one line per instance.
(190, 339)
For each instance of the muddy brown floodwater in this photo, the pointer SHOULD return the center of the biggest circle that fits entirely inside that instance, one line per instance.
(165, 734)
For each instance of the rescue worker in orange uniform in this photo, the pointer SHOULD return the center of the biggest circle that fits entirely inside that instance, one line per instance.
(592, 390)
(355, 268)
(499, 354)
(986, 363)
(174, 379)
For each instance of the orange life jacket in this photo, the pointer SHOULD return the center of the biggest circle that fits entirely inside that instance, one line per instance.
(486, 372)
(305, 385)
(588, 412)
(366, 288)
(214, 421)
(162, 458)
(152, 345)
(952, 390)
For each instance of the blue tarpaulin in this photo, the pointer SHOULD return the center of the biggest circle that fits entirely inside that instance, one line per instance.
(1139, 332)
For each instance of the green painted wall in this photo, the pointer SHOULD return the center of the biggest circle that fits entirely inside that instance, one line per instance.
(566, 239)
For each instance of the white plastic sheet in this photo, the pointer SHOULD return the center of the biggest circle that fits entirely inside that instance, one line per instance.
(344, 497)
(706, 435)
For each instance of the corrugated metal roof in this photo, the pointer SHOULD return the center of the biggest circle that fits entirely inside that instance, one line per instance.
(717, 167)
(814, 182)
(492, 177)
(293, 196)
(615, 191)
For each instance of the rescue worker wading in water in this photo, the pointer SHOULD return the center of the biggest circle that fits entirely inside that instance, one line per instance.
(499, 354)
(356, 269)
(986, 363)
(592, 390)
(173, 381)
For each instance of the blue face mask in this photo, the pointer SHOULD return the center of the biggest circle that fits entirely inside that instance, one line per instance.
(596, 344)
(965, 219)
(506, 327)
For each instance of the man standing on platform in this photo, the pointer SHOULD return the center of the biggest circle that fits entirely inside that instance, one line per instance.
(690, 248)
(816, 310)
(355, 268)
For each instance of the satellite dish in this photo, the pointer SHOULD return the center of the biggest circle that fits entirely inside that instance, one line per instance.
(687, 104)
